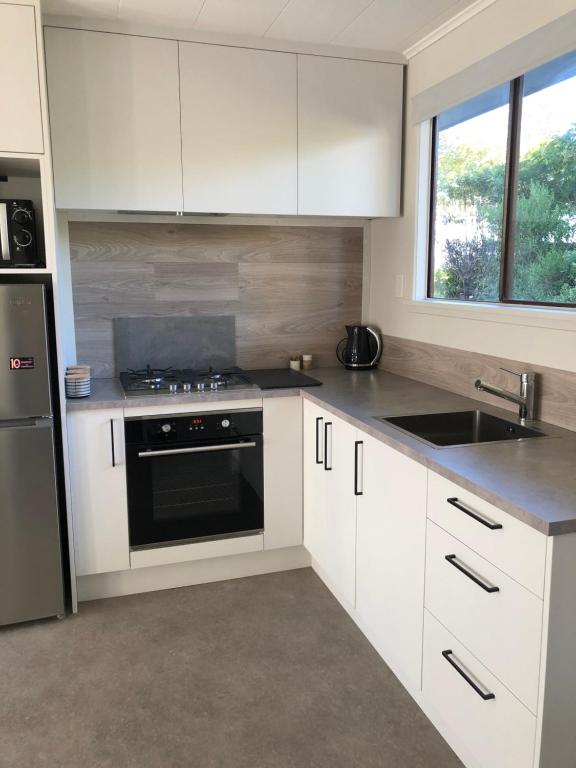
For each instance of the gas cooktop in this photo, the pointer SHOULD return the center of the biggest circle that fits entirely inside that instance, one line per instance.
(175, 381)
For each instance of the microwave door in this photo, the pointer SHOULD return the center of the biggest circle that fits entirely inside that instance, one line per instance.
(24, 376)
(4, 242)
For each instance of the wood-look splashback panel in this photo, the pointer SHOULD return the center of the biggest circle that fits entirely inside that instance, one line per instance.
(457, 370)
(292, 289)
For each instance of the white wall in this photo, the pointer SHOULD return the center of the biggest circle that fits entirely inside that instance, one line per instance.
(537, 336)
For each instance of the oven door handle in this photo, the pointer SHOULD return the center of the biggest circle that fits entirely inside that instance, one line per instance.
(198, 449)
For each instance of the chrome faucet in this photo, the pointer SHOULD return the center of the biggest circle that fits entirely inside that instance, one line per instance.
(525, 399)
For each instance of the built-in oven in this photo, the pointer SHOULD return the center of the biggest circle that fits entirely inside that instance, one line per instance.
(194, 477)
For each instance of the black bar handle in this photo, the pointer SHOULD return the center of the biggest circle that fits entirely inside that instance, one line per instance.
(112, 442)
(326, 425)
(357, 444)
(475, 516)
(486, 587)
(486, 696)
(319, 419)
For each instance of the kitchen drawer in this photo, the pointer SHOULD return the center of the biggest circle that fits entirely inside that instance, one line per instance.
(515, 548)
(498, 732)
(501, 628)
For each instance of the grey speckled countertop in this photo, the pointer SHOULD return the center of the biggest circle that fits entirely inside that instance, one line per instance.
(533, 480)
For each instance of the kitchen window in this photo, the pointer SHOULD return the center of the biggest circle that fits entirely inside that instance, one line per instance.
(503, 193)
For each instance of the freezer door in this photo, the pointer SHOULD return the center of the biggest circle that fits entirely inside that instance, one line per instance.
(24, 377)
(30, 558)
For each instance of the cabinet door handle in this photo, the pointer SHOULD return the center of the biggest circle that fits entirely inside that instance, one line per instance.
(486, 695)
(358, 468)
(452, 559)
(474, 515)
(116, 450)
(319, 420)
(327, 446)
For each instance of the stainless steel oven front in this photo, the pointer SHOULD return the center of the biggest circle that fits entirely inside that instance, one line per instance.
(194, 476)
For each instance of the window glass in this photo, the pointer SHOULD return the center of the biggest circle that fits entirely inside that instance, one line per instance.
(471, 145)
(544, 236)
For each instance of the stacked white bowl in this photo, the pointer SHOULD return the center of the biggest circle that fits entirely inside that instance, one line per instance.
(78, 381)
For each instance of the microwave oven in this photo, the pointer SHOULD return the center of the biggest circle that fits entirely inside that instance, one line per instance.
(18, 241)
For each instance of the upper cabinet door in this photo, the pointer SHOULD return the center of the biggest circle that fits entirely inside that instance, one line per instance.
(21, 123)
(349, 137)
(115, 121)
(239, 130)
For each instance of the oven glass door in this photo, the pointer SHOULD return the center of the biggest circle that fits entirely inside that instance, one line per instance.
(195, 491)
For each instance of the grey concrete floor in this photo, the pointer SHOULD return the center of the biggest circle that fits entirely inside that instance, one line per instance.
(262, 672)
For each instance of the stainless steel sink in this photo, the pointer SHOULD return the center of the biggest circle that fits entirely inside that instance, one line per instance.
(460, 428)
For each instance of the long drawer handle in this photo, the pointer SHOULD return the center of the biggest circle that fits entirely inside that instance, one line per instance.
(452, 559)
(486, 696)
(327, 445)
(359, 468)
(319, 459)
(474, 515)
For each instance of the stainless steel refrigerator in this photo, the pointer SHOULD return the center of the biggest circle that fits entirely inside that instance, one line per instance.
(30, 546)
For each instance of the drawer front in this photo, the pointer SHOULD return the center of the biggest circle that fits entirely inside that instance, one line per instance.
(499, 732)
(514, 547)
(498, 620)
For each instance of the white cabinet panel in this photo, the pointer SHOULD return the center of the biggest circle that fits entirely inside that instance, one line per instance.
(239, 137)
(315, 478)
(98, 491)
(349, 137)
(115, 120)
(499, 732)
(329, 501)
(502, 628)
(340, 552)
(282, 472)
(515, 548)
(21, 124)
(390, 554)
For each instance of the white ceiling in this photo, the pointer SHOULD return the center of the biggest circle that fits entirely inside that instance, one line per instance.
(391, 25)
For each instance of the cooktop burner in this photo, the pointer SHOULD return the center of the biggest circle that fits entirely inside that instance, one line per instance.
(174, 381)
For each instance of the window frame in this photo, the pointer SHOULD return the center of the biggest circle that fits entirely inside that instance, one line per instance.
(509, 209)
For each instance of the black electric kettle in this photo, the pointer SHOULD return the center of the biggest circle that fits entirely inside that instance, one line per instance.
(360, 349)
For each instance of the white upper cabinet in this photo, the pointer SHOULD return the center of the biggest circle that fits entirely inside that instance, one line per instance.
(239, 130)
(349, 137)
(21, 124)
(115, 121)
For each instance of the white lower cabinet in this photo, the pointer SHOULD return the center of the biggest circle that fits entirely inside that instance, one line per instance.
(98, 491)
(472, 609)
(495, 729)
(495, 617)
(329, 501)
(390, 553)
(282, 472)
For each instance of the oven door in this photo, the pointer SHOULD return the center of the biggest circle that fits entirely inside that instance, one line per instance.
(201, 490)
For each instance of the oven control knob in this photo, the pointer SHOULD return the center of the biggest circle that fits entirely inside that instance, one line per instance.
(186, 386)
(214, 385)
(166, 428)
(225, 423)
(23, 238)
(21, 216)
(173, 388)
(200, 386)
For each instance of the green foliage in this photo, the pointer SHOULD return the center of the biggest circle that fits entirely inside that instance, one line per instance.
(470, 190)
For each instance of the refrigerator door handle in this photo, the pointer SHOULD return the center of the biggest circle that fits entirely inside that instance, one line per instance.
(32, 423)
(4, 241)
